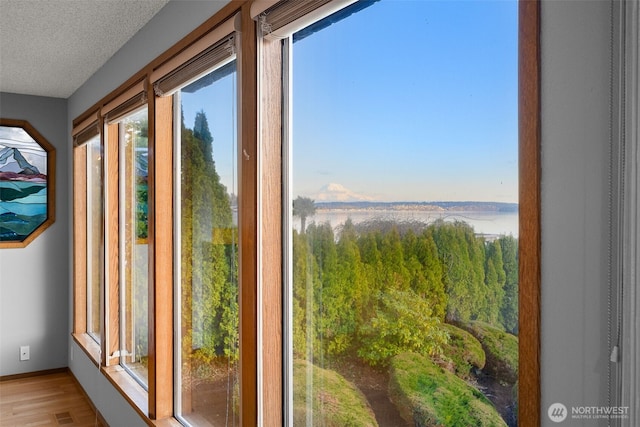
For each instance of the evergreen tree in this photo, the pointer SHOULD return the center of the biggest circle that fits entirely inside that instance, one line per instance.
(394, 272)
(376, 291)
(417, 273)
(305, 311)
(355, 285)
(509, 309)
(494, 281)
(457, 270)
(476, 250)
(372, 264)
(209, 260)
(434, 287)
(322, 242)
(201, 132)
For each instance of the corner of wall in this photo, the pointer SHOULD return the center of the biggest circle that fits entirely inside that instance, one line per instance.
(34, 291)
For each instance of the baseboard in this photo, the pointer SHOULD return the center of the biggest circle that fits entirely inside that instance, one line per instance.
(34, 374)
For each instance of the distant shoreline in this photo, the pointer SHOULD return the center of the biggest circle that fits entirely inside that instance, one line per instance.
(486, 218)
(462, 206)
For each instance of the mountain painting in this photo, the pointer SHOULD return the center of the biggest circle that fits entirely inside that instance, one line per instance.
(23, 184)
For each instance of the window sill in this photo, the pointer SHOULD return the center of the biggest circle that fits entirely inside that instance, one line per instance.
(89, 346)
(133, 392)
(137, 396)
(167, 422)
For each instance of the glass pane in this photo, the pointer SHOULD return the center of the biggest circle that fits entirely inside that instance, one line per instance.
(134, 291)
(207, 255)
(405, 216)
(95, 235)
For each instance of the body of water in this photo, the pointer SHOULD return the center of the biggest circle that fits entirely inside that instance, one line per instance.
(491, 223)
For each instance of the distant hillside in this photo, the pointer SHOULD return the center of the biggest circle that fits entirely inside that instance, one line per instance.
(12, 176)
(464, 206)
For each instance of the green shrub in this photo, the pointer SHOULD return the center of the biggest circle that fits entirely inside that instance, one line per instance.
(335, 402)
(428, 395)
(464, 351)
(402, 322)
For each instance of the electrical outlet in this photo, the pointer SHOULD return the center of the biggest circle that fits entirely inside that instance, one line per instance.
(24, 352)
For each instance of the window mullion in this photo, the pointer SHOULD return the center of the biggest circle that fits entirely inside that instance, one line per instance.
(248, 221)
(112, 252)
(89, 234)
(161, 258)
(529, 234)
(80, 240)
(270, 298)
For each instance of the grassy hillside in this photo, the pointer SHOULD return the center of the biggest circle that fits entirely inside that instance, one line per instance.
(464, 351)
(501, 349)
(428, 395)
(336, 402)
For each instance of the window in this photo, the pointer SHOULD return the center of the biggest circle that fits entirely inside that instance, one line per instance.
(363, 257)
(163, 195)
(406, 196)
(89, 235)
(206, 191)
(186, 213)
(134, 245)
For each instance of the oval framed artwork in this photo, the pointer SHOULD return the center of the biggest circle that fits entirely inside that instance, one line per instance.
(27, 183)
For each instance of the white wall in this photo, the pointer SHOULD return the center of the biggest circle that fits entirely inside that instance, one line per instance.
(34, 291)
(575, 134)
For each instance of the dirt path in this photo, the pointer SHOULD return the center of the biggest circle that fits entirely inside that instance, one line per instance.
(210, 398)
(501, 396)
(213, 402)
(374, 384)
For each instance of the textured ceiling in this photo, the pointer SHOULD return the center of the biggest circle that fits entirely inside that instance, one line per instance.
(51, 47)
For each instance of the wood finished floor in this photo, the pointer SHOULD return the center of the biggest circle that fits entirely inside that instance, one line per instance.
(47, 400)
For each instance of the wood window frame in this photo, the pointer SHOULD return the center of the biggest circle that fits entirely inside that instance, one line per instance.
(529, 270)
(157, 402)
(155, 406)
(261, 231)
(82, 132)
(271, 171)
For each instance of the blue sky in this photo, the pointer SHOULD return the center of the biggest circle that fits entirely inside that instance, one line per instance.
(219, 102)
(410, 101)
(406, 100)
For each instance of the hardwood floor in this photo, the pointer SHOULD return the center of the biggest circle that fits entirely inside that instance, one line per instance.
(45, 400)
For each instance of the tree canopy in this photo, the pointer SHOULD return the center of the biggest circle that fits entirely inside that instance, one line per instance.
(209, 260)
(377, 291)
